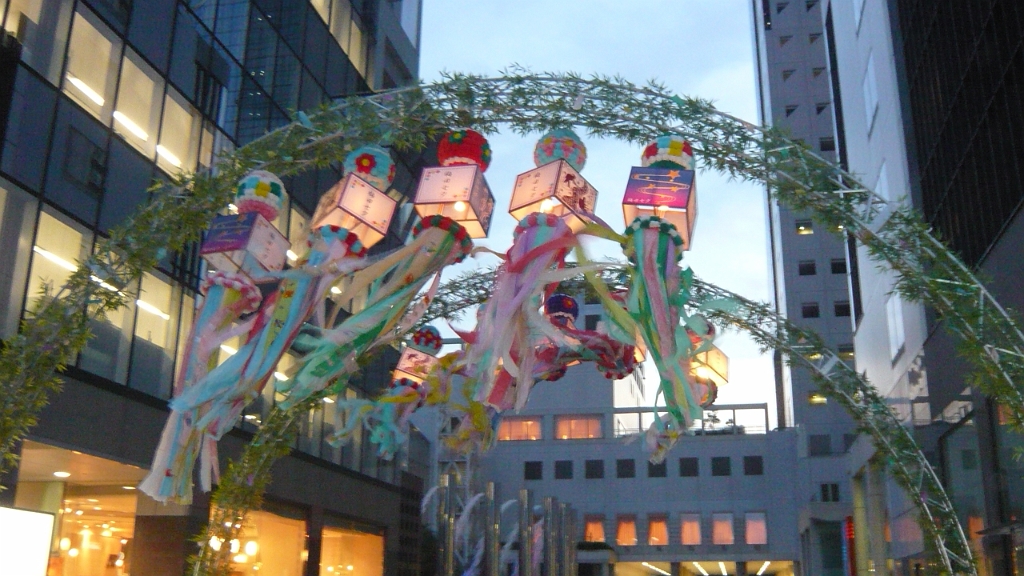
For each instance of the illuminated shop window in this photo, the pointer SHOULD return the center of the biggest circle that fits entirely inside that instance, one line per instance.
(804, 227)
(577, 427)
(721, 529)
(275, 543)
(625, 531)
(91, 75)
(179, 135)
(137, 113)
(351, 551)
(689, 533)
(756, 528)
(657, 531)
(593, 530)
(519, 429)
(156, 328)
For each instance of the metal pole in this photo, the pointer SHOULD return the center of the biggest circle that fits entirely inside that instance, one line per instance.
(441, 518)
(573, 567)
(563, 540)
(550, 537)
(492, 534)
(449, 533)
(525, 534)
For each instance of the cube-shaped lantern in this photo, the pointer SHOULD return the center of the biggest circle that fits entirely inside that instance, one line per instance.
(458, 192)
(711, 364)
(358, 207)
(554, 188)
(414, 364)
(668, 193)
(244, 242)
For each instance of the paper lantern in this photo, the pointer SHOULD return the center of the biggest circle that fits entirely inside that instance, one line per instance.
(711, 364)
(246, 243)
(357, 206)
(668, 193)
(457, 192)
(420, 355)
(554, 188)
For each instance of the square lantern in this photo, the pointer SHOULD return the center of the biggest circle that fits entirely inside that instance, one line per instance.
(414, 364)
(244, 242)
(668, 193)
(355, 205)
(458, 192)
(554, 188)
(711, 364)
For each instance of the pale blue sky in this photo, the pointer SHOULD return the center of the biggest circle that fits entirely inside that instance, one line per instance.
(695, 47)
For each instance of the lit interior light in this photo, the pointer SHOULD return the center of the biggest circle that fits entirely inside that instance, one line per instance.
(460, 206)
(119, 562)
(85, 89)
(763, 567)
(329, 400)
(73, 552)
(62, 474)
(546, 205)
(817, 399)
(128, 487)
(335, 290)
(240, 559)
(152, 309)
(231, 352)
(78, 512)
(281, 376)
(124, 540)
(350, 567)
(661, 210)
(236, 546)
(86, 532)
(330, 568)
(250, 416)
(292, 255)
(55, 259)
(656, 569)
(65, 544)
(168, 155)
(704, 372)
(106, 533)
(700, 569)
(232, 208)
(97, 507)
(130, 126)
(721, 566)
(215, 543)
(251, 547)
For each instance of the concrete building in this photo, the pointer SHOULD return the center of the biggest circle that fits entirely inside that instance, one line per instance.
(98, 98)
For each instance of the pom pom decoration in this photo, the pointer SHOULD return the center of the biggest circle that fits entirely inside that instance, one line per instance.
(427, 339)
(373, 164)
(261, 192)
(560, 144)
(562, 309)
(668, 151)
(462, 147)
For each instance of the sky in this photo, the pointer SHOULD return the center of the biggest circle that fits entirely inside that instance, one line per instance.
(698, 48)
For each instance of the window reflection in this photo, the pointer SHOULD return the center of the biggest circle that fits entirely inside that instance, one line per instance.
(155, 335)
(17, 222)
(41, 26)
(91, 73)
(108, 351)
(179, 135)
(137, 113)
(57, 250)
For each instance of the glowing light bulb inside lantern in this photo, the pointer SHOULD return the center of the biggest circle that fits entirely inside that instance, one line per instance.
(460, 206)
(704, 372)
(546, 205)
(661, 210)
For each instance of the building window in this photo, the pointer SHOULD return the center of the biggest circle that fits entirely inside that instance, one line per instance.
(894, 319)
(57, 250)
(91, 76)
(625, 468)
(593, 529)
(791, 109)
(362, 551)
(821, 106)
(657, 531)
(756, 528)
(137, 114)
(17, 223)
(41, 27)
(841, 308)
(804, 227)
(969, 459)
(577, 427)
(658, 470)
(870, 89)
(533, 470)
(689, 467)
(721, 466)
(810, 310)
(830, 492)
(156, 328)
(590, 321)
(827, 144)
(721, 529)
(753, 466)
(839, 266)
(689, 529)
(807, 268)
(179, 135)
(516, 428)
(625, 531)
(563, 469)
(817, 399)
(593, 469)
(819, 445)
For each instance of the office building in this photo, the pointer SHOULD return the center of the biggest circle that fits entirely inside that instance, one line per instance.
(97, 99)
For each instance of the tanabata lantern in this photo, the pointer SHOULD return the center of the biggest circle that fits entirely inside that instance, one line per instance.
(247, 242)
(419, 355)
(555, 186)
(358, 202)
(711, 364)
(457, 189)
(664, 186)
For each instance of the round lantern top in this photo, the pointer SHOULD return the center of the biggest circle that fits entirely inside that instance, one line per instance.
(373, 164)
(331, 233)
(260, 191)
(445, 223)
(427, 339)
(464, 147)
(560, 144)
(562, 305)
(668, 151)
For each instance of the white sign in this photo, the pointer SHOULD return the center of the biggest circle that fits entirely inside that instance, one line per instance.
(24, 542)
